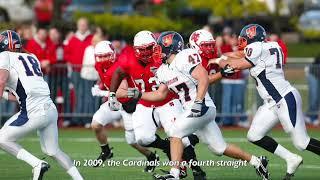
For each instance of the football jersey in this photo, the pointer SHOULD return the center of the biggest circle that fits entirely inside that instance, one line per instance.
(267, 58)
(106, 77)
(212, 68)
(177, 76)
(25, 79)
(144, 79)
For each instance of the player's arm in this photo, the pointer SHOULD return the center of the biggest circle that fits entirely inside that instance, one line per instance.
(235, 63)
(158, 95)
(4, 75)
(201, 75)
(122, 90)
(117, 77)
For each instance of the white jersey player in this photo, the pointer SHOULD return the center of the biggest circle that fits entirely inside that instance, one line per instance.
(281, 100)
(183, 74)
(21, 80)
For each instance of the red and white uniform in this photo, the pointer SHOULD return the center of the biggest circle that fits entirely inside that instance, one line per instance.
(104, 115)
(150, 115)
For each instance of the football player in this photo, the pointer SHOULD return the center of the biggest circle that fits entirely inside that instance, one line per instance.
(151, 115)
(21, 80)
(203, 41)
(282, 102)
(182, 73)
(106, 64)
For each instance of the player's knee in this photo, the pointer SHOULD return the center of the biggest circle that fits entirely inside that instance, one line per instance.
(253, 137)
(300, 144)
(130, 137)
(218, 150)
(146, 140)
(50, 152)
(96, 126)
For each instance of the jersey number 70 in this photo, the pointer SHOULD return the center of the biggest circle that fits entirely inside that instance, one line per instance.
(35, 66)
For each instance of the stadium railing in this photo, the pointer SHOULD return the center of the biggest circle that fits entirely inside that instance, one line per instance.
(71, 93)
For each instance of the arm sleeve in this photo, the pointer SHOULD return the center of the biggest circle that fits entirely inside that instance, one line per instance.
(253, 52)
(4, 61)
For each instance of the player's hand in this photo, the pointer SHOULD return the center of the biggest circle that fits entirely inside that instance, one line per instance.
(134, 93)
(217, 60)
(96, 91)
(227, 71)
(114, 104)
(198, 109)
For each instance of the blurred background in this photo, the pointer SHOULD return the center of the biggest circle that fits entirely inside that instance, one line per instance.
(62, 34)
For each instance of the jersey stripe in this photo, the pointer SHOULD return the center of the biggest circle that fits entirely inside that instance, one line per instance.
(23, 116)
(272, 91)
(292, 107)
(10, 39)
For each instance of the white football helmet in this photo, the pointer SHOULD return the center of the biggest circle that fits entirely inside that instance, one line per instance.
(104, 54)
(203, 41)
(144, 43)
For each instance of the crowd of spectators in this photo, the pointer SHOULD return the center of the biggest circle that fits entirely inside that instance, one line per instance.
(67, 62)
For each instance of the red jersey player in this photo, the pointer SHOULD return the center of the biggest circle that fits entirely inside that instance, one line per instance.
(151, 115)
(203, 41)
(106, 64)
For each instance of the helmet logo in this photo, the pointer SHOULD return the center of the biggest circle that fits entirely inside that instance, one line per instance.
(167, 40)
(195, 37)
(251, 32)
(2, 37)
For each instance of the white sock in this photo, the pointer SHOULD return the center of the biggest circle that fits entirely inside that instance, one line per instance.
(74, 173)
(186, 142)
(28, 158)
(283, 152)
(254, 161)
(175, 172)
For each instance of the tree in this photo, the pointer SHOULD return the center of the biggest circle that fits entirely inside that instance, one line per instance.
(231, 8)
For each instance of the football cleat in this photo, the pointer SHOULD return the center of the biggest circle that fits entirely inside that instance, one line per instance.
(292, 165)
(199, 175)
(183, 172)
(39, 170)
(104, 156)
(154, 157)
(288, 176)
(262, 170)
(164, 177)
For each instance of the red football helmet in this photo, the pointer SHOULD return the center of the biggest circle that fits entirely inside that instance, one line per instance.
(104, 54)
(145, 45)
(203, 41)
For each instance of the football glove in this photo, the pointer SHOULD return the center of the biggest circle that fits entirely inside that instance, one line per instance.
(227, 71)
(134, 93)
(198, 109)
(114, 104)
(96, 91)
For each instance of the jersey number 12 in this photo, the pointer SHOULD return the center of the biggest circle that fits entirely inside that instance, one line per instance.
(34, 64)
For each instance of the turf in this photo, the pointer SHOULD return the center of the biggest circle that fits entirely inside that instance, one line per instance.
(81, 146)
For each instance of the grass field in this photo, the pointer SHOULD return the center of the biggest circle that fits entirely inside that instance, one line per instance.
(81, 146)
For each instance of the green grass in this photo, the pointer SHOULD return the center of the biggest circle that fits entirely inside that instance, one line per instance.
(81, 146)
(303, 49)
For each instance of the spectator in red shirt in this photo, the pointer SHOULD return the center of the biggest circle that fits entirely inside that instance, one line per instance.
(233, 87)
(44, 11)
(58, 74)
(73, 54)
(38, 46)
